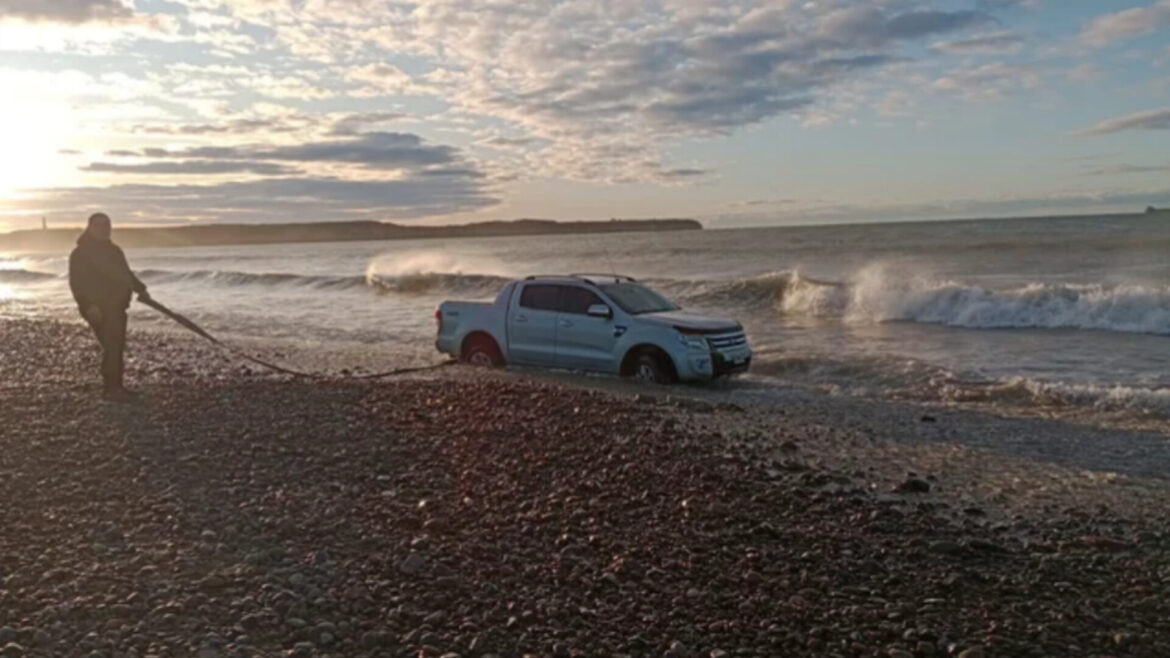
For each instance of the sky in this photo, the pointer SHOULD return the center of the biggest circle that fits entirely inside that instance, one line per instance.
(441, 111)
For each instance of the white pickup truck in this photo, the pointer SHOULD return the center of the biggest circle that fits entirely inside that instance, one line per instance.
(601, 323)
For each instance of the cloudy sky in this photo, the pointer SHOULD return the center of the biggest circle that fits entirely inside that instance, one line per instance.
(735, 112)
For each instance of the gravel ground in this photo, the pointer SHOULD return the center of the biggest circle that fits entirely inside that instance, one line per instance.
(228, 513)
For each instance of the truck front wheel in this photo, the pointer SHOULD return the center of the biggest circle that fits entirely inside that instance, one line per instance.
(650, 367)
(482, 352)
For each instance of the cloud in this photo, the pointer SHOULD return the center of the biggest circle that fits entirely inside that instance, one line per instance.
(1128, 169)
(65, 11)
(988, 81)
(995, 43)
(235, 127)
(1129, 23)
(191, 167)
(374, 150)
(872, 27)
(1150, 120)
(1087, 72)
(380, 78)
(1004, 4)
(684, 173)
(611, 90)
(273, 199)
(353, 123)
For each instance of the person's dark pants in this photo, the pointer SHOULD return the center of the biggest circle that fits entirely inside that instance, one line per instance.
(111, 334)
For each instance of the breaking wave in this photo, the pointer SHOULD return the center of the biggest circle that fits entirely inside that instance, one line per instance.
(1128, 308)
(877, 294)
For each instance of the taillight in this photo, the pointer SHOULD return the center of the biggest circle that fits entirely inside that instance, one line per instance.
(439, 319)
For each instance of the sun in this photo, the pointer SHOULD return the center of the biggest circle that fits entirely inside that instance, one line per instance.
(33, 135)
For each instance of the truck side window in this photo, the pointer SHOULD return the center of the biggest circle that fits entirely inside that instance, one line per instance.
(578, 300)
(541, 297)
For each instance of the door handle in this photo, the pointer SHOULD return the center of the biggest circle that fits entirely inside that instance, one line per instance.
(566, 323)
(521, 318)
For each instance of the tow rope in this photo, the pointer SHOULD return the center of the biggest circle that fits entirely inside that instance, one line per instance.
(190, 325)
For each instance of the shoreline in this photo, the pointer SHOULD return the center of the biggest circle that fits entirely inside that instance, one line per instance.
(235, 513)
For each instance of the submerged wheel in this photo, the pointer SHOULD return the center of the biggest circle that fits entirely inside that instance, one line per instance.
(650, 368)
(482, 352)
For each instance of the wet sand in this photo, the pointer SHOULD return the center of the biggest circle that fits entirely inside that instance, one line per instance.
(232, 513)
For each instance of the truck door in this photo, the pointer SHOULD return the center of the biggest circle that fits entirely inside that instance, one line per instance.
(532, 325)
(584, 342)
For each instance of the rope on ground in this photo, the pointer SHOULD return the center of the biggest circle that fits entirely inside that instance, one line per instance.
(188, 324)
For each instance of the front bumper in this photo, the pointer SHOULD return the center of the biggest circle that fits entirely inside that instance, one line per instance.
(714, 364)
(723, 366)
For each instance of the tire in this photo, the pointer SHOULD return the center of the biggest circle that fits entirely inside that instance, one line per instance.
(482, 352)
(650, 368)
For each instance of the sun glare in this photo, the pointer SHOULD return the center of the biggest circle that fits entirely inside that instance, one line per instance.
(32, 135)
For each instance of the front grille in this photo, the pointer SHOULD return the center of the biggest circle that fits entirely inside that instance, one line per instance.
(727, 341)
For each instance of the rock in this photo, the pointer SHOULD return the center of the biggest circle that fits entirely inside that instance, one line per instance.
(7, 634)
(413, 564)
(13, 650)
(928, 419)
(947, 547)
(913, 486)
(718, 653)
(972, 652)
(302, 650)
(899, 653)
(213, 583)
(374, 639)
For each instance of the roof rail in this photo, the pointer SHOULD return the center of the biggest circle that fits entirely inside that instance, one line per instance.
(582, 277)
(603, 275)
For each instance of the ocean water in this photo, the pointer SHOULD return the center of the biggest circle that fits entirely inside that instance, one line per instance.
(1064, 311)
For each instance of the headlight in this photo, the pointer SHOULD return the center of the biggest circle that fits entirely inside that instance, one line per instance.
(693, 342)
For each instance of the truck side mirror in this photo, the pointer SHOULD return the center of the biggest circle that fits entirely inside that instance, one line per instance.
(600, 311)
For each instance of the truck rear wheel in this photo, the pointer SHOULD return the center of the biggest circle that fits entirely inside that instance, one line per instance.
(482, 352)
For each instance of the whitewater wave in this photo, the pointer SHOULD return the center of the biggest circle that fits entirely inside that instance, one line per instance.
(1031, 392)
(407, 283)
(1130, 308)
(25, 276)
(892, 377)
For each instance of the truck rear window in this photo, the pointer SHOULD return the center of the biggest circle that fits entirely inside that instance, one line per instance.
(541, 297)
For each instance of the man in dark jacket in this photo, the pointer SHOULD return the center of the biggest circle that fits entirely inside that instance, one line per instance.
(102, 283)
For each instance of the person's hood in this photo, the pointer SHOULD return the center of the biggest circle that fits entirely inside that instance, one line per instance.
(691, 321)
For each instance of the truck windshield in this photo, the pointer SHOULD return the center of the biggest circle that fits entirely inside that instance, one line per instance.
(636, 300)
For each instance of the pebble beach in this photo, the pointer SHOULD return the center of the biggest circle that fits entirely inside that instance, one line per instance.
(232, 513)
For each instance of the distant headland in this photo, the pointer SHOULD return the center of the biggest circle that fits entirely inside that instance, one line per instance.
(200, 235)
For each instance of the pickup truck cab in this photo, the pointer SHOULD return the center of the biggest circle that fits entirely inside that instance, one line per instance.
(600, 323)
